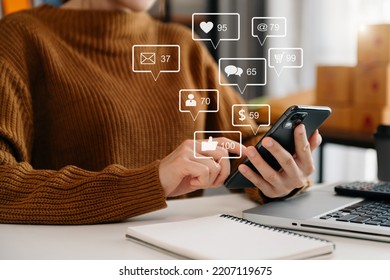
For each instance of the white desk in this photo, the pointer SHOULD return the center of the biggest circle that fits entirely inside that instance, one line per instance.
(108, 241)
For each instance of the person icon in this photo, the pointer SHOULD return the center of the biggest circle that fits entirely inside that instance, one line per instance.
(190, 102)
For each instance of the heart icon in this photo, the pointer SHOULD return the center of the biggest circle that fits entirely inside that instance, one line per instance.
(206, 26)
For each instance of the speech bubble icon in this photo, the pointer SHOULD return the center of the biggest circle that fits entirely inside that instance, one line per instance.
(215, 27)
(209, 142)
(251, 115)
(156, 59)
(280, 58)
(239, 71)
(233, 70)
(195, 101)
(264, 27)
(230, 70)
(242, 72)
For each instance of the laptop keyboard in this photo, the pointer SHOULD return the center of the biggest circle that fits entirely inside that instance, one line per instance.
(375, 213)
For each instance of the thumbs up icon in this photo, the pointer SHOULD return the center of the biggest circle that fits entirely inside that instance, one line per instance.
(209, 145)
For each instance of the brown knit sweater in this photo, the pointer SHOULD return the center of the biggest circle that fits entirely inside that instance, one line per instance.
(81, 135)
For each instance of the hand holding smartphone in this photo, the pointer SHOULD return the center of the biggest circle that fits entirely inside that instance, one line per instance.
(282, 132)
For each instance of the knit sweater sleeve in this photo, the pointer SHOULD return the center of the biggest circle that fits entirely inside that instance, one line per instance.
(70, 195)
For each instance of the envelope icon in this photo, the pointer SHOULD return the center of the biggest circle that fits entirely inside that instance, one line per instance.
(148, 58)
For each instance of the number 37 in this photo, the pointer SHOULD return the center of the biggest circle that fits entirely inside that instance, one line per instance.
(165, 58)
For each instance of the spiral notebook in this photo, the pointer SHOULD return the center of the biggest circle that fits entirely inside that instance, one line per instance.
(225, 237)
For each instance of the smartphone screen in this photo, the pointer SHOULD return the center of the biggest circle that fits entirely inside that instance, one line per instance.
(283, 132)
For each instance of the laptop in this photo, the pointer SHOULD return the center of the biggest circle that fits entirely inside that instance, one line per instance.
(321, 210)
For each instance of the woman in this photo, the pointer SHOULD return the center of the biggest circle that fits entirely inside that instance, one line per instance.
(85, 140)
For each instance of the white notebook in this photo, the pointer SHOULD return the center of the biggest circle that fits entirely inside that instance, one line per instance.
(225, 237)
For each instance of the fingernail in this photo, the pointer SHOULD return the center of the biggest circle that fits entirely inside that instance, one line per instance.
(301, 129)
(250, 152)
(268, 143)
(242, 168)
(194, 182)
(319, 139)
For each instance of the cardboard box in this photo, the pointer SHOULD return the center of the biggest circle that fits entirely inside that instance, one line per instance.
(366, 119)
(374, 44)
(335, 84)
(339, 119)
(372, 85)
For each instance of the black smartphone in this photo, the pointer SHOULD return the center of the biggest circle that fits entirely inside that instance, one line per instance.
(283, 132)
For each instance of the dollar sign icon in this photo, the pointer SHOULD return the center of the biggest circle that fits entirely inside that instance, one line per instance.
(242, 115)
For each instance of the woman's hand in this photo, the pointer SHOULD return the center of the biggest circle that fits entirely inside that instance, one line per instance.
(180, 172)
(295, 169)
